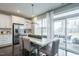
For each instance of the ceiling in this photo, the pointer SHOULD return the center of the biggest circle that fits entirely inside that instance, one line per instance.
(25, 9)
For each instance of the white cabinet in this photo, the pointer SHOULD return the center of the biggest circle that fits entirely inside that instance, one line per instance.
(5, 40)
(20, 20)
(5, 21)
(16, 19)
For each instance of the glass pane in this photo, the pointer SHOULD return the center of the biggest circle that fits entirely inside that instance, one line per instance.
(44, 27)
(41, 27)
(73, 36)
(59, 33)
(38, 25)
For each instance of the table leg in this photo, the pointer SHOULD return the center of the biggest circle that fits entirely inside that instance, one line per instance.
(38, 52)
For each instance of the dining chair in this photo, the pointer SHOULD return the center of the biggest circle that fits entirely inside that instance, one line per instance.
(51, 49)
(21, 43)
(27, 46)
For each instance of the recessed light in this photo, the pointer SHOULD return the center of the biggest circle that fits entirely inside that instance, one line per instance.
(18, 11)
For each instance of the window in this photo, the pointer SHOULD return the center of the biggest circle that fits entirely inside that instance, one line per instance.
(67, 30)
(44, 27)
(59, 33)
(73, 33)
(59, 27)
(71, 44)
(40, 26)
(37, 25)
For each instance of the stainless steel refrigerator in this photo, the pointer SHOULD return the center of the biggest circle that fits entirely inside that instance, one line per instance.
(18, 29)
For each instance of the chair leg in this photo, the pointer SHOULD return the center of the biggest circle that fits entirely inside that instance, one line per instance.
(22, 52)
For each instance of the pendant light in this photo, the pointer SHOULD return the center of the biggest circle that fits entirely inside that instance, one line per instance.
(32, 10)
(33, 13)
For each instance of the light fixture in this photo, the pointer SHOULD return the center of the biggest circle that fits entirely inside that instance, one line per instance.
(32, 10)
(33, 14)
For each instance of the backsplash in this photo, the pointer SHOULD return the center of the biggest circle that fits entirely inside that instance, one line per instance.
(4, 31)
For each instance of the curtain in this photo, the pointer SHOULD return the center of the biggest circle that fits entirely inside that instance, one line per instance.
(50, 26)
(44, 25)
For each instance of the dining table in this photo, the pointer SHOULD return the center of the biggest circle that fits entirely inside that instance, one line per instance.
(39, 42)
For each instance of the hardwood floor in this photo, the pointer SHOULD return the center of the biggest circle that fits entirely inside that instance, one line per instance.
(7, 51)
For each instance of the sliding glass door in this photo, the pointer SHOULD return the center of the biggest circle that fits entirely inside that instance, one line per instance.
(67, 30)
(73, 36)
(59, 33)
